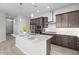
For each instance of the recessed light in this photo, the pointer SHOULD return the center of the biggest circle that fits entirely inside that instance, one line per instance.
(33, 4)
(37, 11)
(32, 15)
(48, 7)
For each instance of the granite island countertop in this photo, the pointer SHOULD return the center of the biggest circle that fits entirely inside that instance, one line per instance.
(34, 37)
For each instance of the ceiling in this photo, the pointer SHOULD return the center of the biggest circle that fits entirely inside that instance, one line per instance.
(15, 9)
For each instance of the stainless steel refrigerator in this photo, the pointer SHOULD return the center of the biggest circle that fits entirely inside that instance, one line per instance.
(32, 28)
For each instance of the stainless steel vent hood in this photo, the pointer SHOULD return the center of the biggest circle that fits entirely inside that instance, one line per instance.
(51, 18)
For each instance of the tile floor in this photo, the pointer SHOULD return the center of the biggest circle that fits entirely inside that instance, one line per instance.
(8, 48)
(58, 50)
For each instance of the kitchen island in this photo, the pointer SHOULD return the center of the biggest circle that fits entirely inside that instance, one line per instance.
(34, 44)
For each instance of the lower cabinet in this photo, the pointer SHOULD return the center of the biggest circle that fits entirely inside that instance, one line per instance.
(53, 39)
(72, 42)
(58, 40)
(65, 41)
(78, 44)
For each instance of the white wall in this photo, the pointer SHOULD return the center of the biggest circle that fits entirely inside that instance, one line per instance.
(74, 31)
(2, 27)
(51, 28)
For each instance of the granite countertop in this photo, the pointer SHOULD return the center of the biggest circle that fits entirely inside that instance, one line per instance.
(70, 34)
(34, 37)
(48, 32)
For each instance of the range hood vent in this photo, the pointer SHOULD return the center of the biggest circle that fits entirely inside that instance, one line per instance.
(52, 20)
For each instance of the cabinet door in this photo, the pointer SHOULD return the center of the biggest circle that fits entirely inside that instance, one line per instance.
(78, 44)
(73, 19)
(45, 22)
(58, 40)
(53, 39)
(33, 21)
(65, 40)
(64, 20)
(76, 19)
(71, 42)
(39, 21)
(58, 21)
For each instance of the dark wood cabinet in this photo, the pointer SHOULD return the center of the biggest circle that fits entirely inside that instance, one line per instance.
(71, 42)
(41, 21)
(58, 40)
(76, 19)
(68, 20)
(45, 22)
(71, 20)
(53, 39)
(58, 21)
(64, 22)
(78, 44)
(32, 21)
(64, 40)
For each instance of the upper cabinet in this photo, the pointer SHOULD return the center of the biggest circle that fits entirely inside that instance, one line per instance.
(58, 21)
(73, 19)
(64, 20)
(45, 22)
(41, 21)
(68, 20)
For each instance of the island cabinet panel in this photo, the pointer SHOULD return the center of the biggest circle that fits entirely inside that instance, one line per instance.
(48, 46)
(68, 20)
